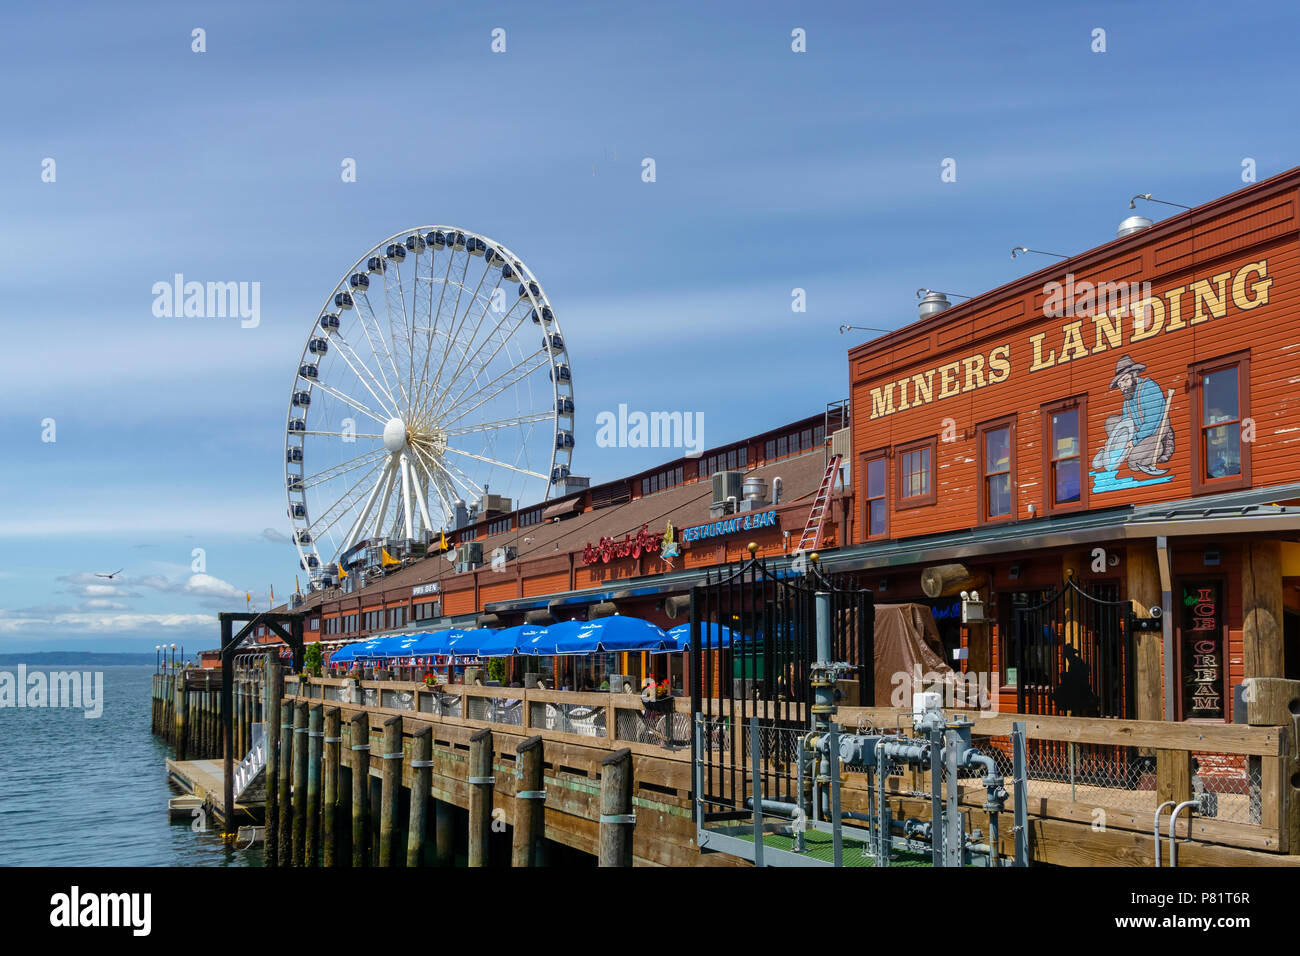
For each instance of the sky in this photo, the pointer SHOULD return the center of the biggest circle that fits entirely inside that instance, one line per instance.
(774, 171)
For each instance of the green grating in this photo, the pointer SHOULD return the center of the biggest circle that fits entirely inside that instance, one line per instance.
(819, 846)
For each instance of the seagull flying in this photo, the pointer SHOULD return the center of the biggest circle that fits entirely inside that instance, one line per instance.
(110, 576)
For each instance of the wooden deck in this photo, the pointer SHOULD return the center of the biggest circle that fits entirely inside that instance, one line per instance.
(205, 778)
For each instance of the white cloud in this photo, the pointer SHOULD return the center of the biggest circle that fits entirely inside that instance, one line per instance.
(205, 585)
(103, 623)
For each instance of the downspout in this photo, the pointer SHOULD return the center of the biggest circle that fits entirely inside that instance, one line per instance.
(1166, 622)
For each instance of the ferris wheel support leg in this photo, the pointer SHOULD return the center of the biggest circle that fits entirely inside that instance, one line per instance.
(355, 531)
(406, 496)
(378, 526)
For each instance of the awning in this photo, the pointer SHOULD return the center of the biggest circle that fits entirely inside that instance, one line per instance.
(562, 509)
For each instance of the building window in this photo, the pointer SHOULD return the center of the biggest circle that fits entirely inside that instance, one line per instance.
(499, 526)
(1220, 409)
(1065, 434)
(916, 473)
(529, 518)
(875, 499)
(997, 442)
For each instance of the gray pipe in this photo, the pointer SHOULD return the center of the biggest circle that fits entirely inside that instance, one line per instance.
(1173, 822)
(1156, 826)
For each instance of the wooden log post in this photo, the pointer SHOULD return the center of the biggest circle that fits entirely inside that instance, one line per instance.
(178, 708)
(945, 580)
(1142, 573)
(284, 797)
(298, 845)
(1173, 775)
(481, 784)
(421, 771)
(1261, 608)
(390, 791)
(444, 836)
(360, 790)
(530, 804)
(183, 722)
(616, 818)
(1275, 702)
(271, 850)
(314, 735)
(330, 786)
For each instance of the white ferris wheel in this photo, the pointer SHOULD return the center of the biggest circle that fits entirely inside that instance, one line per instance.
(435, 376)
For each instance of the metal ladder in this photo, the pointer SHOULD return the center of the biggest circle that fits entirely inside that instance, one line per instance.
(812, 531)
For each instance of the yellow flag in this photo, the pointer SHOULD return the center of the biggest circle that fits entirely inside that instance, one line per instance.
(342, 574)
(386, 559)
(272, 593)
(444, 540)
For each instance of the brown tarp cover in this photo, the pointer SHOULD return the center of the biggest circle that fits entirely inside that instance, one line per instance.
(906, 638)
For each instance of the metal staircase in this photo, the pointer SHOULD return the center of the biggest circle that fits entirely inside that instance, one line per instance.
(250, 775)
(811, 538)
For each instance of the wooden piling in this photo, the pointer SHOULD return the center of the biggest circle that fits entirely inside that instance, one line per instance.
(481, 783)
(421, 764)
(616, 809)
(391, 791)
(298, 845)
(530, 804)
(314, 735)
(178, 691)
(330, 786)
(271, 852)
(283, 798)
(444, 833)
(182, 722)
(360, 790)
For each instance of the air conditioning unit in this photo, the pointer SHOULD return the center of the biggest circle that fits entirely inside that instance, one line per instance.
(497, 503)
(469, 556)
(726, 484)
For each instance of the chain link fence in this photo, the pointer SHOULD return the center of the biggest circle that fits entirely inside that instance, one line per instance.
(584, 720)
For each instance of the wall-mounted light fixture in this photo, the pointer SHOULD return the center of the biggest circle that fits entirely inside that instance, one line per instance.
(1022, 250)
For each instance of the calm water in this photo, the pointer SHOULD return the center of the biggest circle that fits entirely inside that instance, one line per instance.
(78, 792)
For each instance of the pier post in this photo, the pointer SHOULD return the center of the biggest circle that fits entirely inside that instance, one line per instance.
(299, 783)
(530, 804)
(271, 709)
(360, 790)
(391, 791)
(330, 785)
(616, 817)
(418, 824)
(444, 833)
(481, 783)
(283, 799)
(178, 691)
(314, 735)
(183, 721)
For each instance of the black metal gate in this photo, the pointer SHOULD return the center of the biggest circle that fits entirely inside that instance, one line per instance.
(1074, 656)
(753, 638)
(1074, 652)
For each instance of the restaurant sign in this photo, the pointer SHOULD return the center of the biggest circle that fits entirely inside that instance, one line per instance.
(607, 549)
(753, 521)
(422, 589)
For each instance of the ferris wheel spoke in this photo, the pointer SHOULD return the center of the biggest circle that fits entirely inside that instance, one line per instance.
(503, 423)
(348, 400)
(455, 475)
(466, 356)
(495, 463)
(435, 483)
(342, 435)
(469, 308)
(369, 309)
(523, 372)
(343, 467)
(456, 321)
(345, 349)
(442, 408)
(395, 302)
(341, 507)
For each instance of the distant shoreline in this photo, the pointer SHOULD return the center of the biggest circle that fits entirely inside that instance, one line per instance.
(76, 659)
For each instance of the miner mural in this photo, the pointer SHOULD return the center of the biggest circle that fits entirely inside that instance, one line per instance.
(1138, 436)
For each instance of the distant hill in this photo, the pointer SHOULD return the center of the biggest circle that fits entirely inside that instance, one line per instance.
(74, 659)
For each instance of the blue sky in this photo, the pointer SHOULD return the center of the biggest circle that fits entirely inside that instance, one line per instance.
(775, 170)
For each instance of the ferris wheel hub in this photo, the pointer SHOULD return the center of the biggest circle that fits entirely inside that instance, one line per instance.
(395, 434)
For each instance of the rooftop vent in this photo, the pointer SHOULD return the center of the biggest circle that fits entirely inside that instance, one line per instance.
(933, 303)
(1131, 225)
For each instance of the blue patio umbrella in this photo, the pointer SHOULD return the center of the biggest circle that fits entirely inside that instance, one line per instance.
(543, 642)
(397, 645)
(608, 635)
(354, 651)
(506, 641)
(712, 635)
(436, 642)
